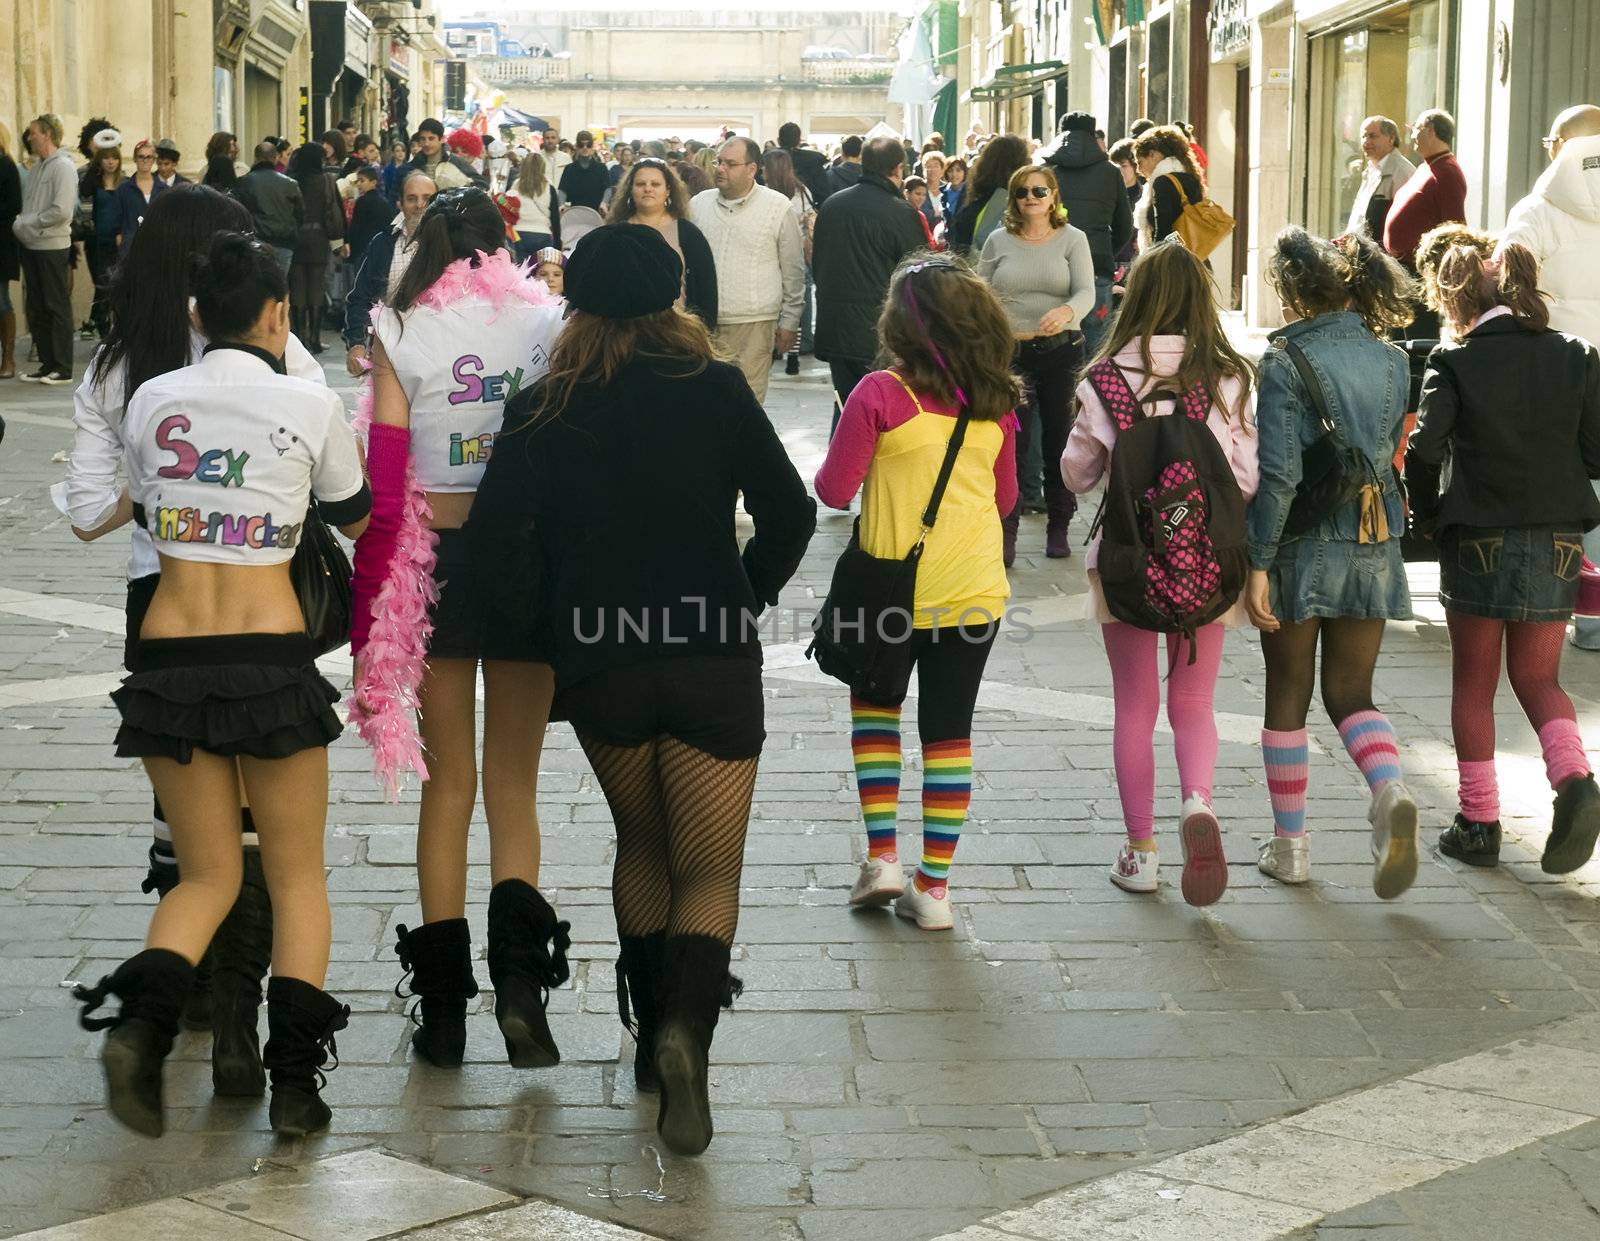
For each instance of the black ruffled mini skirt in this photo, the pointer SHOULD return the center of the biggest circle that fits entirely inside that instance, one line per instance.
(253, 694)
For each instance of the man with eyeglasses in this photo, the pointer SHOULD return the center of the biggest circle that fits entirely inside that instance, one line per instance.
(584, 181)
(1436, 193)
(1559, 221)
(760, 260)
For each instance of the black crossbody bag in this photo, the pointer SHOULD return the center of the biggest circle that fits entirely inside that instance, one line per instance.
(1332, 473)
(849, 641)
(320, 574)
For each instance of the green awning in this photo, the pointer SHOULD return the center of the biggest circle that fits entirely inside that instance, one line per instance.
(1015, 81)
(944, 113)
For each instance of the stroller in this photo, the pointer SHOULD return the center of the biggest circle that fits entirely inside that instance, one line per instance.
(577, 223)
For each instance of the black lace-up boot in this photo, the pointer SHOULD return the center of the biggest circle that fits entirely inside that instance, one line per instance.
(152, 986)
(241, 953)
(301, 1023)
(527, 957)
(639, 988)
(696, 984)
(1476, 844)
(438, 958)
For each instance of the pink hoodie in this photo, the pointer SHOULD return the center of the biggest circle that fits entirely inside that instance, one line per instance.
(1088, 452)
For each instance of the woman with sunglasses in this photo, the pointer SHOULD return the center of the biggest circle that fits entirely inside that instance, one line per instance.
(1042, 271)
(650, 192)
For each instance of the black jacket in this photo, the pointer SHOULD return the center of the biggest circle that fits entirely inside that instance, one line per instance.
(699, 273)
(370, 285)
(323, 222)
(812, 169)
(372, 215)
(861, 234)
(1513, 417)
(10, 209)
(1094, 196)
(1168, 203)
(843, 175)
(673, 452)
(584, 183)
(275, 202)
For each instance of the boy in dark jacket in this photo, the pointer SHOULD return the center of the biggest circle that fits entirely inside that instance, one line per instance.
(373, 213)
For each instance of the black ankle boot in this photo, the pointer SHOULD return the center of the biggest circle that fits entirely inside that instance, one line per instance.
(161, 878)
(301, 1023)
(241, 953)
(438, 958)
(1476, 844)
(1575, 827)
(527, 956)
(695, 985)
(152, 986)
(639, 981)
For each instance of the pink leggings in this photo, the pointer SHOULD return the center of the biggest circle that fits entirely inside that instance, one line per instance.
(1136, 686)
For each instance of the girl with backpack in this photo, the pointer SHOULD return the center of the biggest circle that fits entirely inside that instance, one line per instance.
(1193, 468)
(951, 342)
(1509, 525)
(1325, 565)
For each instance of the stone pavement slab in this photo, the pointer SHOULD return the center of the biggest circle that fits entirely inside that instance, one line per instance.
(873, 1081)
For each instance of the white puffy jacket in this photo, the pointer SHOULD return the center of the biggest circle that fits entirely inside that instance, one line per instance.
(1560, 222)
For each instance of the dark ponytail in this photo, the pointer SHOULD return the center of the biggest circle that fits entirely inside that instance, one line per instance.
(1466, 285)
(232, 283)
(1318, 277)
(458, 224)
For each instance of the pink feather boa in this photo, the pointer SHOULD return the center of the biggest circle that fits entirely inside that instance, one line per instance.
(390, 668)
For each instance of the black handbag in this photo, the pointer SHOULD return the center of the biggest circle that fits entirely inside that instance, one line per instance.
(1332, 473)
(871, 604)
(320, 573)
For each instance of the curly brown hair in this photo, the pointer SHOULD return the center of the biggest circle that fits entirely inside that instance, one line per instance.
(1169, 142)
(949, 336)
(1314, 276)
(622, 198)
(1439, 242)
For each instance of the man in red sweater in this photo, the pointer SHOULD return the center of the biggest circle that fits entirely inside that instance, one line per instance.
(1436, 193)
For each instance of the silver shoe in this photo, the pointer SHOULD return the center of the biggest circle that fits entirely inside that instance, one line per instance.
(1394, 840)
(1286, 858)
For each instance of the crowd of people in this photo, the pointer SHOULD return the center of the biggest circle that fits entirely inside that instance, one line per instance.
(1003, 327)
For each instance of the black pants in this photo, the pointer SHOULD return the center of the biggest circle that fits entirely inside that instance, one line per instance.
(102, 257)
(1049, 371)
(48, 306)
(846, 374)
(949, 663)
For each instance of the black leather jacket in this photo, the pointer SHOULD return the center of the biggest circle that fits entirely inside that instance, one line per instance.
(861, 234)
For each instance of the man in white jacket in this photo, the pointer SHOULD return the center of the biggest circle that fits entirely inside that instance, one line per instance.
(1560, 222)
(44, 239)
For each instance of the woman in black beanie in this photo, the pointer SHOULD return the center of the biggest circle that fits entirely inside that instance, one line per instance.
(648, 610)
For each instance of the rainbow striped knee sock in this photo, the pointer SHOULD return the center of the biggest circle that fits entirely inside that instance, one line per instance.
(946, 794)
(875, 746)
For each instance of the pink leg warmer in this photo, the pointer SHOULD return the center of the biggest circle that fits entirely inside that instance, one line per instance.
(1563, 751)
(1136, 689)
(1190, 691)
(1479, 791)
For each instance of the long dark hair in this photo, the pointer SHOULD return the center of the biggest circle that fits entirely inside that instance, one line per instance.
(148, 299)
(305, 165)
(220, 174)
(999, 159)
(778, 167)
(592, 350)
(458, 224)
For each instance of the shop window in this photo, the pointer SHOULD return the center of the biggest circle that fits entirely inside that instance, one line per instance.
(1117, 120)
(1158, 84)
(1389, 65)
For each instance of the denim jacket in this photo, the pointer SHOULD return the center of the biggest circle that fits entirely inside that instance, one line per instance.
(1367, 384)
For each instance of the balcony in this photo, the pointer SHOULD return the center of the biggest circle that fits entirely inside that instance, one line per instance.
(521, 70)
(856, 71)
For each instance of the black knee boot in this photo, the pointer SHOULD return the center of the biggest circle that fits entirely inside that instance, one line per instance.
(241, 953)
(639, 981)
(527, 956)
(314, 314)
(152, 986)
(301, 1023)
(161, 878)
(695, 985)
(438, 957)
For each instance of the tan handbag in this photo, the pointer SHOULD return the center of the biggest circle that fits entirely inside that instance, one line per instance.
(1201, 225)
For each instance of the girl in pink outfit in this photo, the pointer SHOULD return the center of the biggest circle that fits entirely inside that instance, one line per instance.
(1167, 336)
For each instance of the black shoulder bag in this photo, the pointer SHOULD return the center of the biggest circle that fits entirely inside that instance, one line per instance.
(1332, 473)
(320, 574)
(871, 594)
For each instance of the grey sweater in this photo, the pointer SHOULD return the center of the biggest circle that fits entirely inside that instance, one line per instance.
(48, 201)
(1033, 278)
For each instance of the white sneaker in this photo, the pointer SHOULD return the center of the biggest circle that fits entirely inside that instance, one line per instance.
(1394, 840)
(879, 882)
(1286, 859)
(1205, 867)
(930, 910)
(1135, 869)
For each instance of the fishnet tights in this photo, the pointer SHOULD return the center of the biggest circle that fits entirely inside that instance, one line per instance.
(681, 818)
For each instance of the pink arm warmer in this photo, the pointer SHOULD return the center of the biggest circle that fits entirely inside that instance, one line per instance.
(388, 453)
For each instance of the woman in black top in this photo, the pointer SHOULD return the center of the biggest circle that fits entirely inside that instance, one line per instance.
(1514, 408)
(648, 608)
(10, 262)
(650, 192)
(1166, 162)
(322, 225)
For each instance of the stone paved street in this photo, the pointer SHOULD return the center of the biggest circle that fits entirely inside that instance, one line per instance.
(873, 1081)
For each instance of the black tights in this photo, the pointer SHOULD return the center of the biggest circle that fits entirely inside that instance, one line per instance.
(681, 818)
(1349, 655)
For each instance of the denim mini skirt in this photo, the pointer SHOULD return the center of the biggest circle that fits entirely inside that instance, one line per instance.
(1315, 577)
(1521, 573)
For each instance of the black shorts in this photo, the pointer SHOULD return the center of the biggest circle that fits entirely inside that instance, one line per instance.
(461, 629)
(711, 702)
(253, 694)
(140, 591)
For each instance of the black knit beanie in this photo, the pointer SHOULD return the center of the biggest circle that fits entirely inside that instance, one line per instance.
(623, 271)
